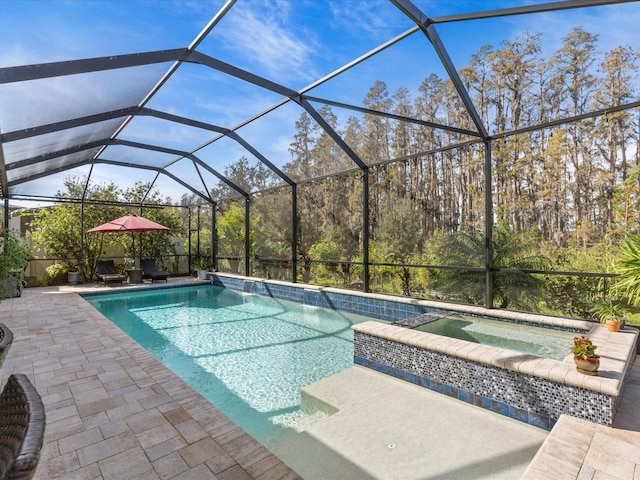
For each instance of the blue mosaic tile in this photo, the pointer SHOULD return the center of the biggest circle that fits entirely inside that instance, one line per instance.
(481, 401)
(518, 414)
(466, 396)
(411, 377)
(382, 368)
(539, 421)
(508, 388)
(435, 386)
(424, 382)
(362, 361)
(500, 407)
(450, 391)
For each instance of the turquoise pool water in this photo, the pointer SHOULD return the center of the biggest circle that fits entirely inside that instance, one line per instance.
(541, 341)
(249, 355)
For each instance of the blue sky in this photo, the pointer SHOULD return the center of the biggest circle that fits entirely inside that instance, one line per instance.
(292, 42)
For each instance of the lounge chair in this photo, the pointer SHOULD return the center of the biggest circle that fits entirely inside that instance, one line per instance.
(150, 270)
(6, 338)
(22, 423)
(106, 272)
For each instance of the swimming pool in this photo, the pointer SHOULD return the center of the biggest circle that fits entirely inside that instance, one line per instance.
(536, 340)
(247, 354)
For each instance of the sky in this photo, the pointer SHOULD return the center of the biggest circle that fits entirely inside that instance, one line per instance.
(291, 42)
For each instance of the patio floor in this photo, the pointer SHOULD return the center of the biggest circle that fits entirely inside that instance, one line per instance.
(114, 412)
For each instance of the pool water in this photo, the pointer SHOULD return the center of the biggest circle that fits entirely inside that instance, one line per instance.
(249, 355)
(535, 340)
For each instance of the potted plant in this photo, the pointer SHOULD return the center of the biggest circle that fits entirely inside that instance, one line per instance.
(201, 265)
(74, 275)
(584, 355)
(611, 314)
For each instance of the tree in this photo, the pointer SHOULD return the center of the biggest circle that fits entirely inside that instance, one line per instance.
(574, 295)
(328, 251)
(628, 267)
(572, 65)
(399, 236)
(13, 256)
(231, 235)
(514, 250)
(614, 128)
(57, 229)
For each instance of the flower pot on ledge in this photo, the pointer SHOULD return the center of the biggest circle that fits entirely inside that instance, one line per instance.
(203, 275)
(613, 324)
(589, 366)
(584, 355)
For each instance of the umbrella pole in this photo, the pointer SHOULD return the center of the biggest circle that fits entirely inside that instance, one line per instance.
(133, 248)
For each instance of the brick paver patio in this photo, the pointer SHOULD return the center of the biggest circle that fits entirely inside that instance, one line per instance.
(114, 411)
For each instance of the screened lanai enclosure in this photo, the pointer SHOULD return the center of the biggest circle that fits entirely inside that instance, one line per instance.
(482, 152)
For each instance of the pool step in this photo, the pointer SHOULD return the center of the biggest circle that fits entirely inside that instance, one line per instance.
(311, 404)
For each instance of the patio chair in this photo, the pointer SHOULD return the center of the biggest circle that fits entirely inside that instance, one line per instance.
(106, 272)
(22, 424)
(150, 270)
(6, 337)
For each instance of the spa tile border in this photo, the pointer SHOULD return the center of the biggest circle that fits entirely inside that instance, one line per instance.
(527, 388)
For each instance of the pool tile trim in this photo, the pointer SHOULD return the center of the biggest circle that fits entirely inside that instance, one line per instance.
(379, 306)
(544, 388)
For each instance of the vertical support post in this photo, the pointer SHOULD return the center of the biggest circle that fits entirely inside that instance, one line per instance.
(139, 241)
(81, 235)
(214, 237)
(198, 252)
(189, 241)
(488, 225)
(5, 215)
(294, 233)
(365, 229)
(83, 257)
(247, 235)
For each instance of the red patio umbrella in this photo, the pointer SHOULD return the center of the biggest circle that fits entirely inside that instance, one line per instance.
(129, 223)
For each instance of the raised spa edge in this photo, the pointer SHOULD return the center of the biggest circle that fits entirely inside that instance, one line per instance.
(525, 387)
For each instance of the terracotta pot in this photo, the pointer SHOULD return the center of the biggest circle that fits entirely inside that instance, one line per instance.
(589, 366)
(613, 325)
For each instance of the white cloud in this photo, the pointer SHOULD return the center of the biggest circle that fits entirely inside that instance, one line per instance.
(378, 20)
(261, 36)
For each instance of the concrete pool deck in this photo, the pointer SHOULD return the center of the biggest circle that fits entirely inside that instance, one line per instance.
(114, 412)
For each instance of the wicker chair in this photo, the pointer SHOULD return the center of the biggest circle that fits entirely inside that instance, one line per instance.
(22, 423)
(6, 337)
